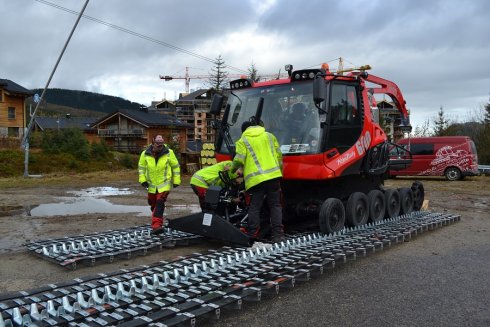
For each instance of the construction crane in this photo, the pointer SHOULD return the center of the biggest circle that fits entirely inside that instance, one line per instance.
(188, 77)
(341, 70)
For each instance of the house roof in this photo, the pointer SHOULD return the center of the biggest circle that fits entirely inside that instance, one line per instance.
(383, 104)
(148, 119)
(13, 87)
(194, 95)
(83, 123)
(158, 104)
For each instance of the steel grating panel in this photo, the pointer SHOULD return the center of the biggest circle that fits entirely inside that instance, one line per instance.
(201, 286)
(107, 246)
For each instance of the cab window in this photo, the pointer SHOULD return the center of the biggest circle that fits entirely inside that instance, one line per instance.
(344, 106)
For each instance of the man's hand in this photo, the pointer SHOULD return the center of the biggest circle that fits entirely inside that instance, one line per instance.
(175, 185)
(145, 185)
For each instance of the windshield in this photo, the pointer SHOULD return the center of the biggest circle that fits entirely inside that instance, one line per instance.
(288, 112)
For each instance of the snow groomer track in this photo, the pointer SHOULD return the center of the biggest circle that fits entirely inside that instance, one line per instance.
(199, 287)
(95, 248)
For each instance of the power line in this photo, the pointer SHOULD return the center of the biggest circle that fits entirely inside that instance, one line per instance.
(142, 36)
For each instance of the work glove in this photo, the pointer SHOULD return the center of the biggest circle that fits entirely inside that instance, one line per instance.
(175, 185)
(145, 185)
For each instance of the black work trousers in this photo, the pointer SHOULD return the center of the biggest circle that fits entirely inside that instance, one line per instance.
(272, 190)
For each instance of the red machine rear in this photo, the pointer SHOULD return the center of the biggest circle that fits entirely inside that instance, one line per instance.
(335, 153)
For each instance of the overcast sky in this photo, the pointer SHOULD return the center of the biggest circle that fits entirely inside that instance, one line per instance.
(437, 51)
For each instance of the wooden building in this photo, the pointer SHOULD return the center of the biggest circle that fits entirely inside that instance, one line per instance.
(133, 130)
(12, 113)
(42, 124)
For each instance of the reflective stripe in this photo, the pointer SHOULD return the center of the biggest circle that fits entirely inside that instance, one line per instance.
(240, 156)
(213, 182)
(167, 164)
(271, 143)
(252, 153)
(260, 171)
(166, 183)
(175, 166)
(200, 178)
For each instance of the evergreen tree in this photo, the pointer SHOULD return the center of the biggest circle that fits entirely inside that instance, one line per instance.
(218, 76)
(440, 124)
(486, 117)
(253, 73)
(484, 139)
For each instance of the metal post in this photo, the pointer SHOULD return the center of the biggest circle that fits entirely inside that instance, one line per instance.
(25, 141)
(26, 158)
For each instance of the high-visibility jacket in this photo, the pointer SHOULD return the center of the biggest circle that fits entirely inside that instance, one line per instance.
(161, 171)
(210, 175)
(258, 152)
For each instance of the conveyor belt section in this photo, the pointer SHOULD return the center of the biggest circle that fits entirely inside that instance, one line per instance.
(201, 286)
(90, 249)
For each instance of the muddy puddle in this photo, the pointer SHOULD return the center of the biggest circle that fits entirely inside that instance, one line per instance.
(89, 201)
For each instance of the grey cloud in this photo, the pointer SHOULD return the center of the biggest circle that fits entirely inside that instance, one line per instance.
(436, 51)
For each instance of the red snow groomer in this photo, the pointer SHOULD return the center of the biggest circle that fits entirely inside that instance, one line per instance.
(335, 153)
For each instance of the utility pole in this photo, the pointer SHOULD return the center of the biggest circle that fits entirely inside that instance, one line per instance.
(25, 141)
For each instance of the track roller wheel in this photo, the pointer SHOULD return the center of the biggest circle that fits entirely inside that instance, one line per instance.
(418, 195)
(406, 200)
(357, 209)
(377, 206)
(392, 200)
(332, 216)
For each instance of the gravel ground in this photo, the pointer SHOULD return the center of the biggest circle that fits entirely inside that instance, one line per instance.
(440, 278)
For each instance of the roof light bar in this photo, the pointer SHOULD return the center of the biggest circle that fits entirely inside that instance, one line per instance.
(241, 83)
(304, 75)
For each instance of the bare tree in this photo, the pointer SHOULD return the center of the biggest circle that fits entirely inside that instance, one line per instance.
(423, 130)
(219, 76)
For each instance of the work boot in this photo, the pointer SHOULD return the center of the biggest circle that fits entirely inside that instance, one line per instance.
(158, 231)
(278, 238)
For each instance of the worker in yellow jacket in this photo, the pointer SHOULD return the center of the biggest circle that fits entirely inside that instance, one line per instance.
(257, 151)
(209, 176)
(159, 171)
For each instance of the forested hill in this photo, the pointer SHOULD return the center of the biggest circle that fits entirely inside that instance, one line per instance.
(87, 100)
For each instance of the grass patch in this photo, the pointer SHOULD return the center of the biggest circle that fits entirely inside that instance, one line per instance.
(12, 163)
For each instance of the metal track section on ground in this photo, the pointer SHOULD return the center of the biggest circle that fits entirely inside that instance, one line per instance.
(74, 251)
(201, 287)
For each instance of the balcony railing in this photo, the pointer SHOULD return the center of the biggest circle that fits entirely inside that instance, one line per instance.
(120, 133)
(128, 148)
